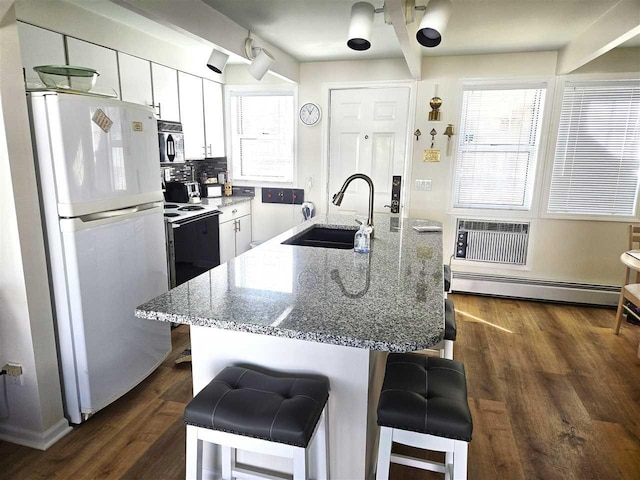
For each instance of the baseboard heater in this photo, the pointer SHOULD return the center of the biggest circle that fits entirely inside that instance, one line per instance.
(516, 287)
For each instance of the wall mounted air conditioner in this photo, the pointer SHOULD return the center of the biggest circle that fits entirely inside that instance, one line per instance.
(492, 241)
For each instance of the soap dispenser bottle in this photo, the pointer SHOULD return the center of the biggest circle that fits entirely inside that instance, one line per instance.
(362, 240)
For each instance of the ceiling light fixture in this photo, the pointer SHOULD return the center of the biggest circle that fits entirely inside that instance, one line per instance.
(429, 34)
(435, 19)
(261, 59)
(217, 60)
(360, 26)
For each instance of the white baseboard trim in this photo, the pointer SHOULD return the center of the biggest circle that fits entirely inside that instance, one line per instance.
(35, 439)
(515, 287)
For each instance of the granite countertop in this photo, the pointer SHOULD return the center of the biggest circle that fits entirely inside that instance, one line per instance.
(390, 299)
(220, 202)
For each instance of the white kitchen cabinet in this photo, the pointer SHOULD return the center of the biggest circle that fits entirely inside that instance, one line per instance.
(227, 241)
(135, 79)
(39, 47)
(213, 118)
(192, 115)
(235, 230)
(104, 60)
(243, 234)
(165, 92)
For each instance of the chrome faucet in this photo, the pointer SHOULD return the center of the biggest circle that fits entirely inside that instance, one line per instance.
(337, 198)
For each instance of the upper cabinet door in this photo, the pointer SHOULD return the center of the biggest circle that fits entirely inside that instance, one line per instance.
(104, 60)
(39, 47)
(135, 79)
(165, 92)
(213, 118)
(192, 115)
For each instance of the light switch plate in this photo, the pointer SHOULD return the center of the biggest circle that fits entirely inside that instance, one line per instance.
(423, 185)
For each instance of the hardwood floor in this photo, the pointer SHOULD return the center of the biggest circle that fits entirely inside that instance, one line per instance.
(553, 393)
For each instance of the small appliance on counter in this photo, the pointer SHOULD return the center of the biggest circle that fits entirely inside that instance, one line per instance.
(171, 142)
(182, 192)
(211, 190)
(193, 192)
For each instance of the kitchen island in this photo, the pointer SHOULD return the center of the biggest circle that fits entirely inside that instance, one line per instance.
(322, 311)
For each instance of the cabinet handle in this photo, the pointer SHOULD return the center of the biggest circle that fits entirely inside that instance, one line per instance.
(239, 228)
(204, 149)
(158, 107)
(234, 211)
(209, 149)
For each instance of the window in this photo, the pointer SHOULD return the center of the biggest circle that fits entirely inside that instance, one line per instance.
(498, 146)
(597, 156)
(262, 136)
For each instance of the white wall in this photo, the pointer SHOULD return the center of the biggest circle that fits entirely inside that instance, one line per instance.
(34, 413)
(268, 220)
(563, 250)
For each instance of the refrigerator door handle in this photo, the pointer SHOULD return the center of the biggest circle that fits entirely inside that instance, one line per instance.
(112, 216)
(109, 214)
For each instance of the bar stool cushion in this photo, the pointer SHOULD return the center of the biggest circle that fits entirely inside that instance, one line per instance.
(449, 320)
(251, 403)
(447, 278)
(426, 395)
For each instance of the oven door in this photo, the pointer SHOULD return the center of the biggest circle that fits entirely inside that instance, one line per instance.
(194, 248)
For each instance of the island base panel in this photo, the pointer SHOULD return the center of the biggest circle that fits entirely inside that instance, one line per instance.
(355, 376)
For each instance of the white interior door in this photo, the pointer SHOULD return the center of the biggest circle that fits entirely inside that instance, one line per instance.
(368, 134)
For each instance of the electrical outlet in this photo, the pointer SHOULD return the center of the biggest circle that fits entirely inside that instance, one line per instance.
(14, 374)
(423, 185)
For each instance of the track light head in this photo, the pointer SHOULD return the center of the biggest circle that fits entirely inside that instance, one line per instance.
(360, 26)
(261, 59)
(217, 61)
(433, 23)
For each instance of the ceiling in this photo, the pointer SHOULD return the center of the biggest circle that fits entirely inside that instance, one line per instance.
(316, 30)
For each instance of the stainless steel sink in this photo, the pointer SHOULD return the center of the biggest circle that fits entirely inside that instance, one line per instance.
(324, 237)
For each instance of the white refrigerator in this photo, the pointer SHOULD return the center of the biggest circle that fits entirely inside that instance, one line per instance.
(101, 197)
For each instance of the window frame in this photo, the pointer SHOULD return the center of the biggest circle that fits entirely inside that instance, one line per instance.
(265, 90)
(562, 80)
(497, 83)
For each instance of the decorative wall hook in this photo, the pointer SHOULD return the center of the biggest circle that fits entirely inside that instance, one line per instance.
(432, 154)
(433, 134)
(434, 114)
(417, 134)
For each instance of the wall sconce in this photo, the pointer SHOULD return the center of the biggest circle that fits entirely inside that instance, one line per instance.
(434, 114)
(217, 61)
(449, 133)
(261, 59)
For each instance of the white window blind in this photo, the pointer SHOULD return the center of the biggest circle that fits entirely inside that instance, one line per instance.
(262, 136)
(498, 146)
(597, 157)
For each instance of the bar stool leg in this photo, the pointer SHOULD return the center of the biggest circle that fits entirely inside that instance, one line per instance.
(194, 454)
(448, 349)
(228, 460)
(300, 464)
(448, 465)
(321, 447)
(460, 460)
(384, 453)
(625, 282)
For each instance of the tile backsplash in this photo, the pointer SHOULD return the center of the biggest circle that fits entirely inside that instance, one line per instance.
(182, 172)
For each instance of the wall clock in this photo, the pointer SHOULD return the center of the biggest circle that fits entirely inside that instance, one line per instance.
(310, 114)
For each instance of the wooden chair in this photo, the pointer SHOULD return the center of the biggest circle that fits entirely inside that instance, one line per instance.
(629, 291)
